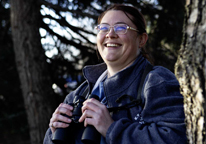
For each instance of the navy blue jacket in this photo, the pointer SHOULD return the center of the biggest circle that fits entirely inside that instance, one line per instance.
(160, 117)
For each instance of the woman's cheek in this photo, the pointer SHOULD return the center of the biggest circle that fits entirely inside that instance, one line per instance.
(100, 39)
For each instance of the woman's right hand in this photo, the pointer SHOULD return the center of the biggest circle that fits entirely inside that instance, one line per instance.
(58, 120)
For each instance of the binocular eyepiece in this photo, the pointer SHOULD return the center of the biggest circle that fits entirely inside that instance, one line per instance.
(67, 135)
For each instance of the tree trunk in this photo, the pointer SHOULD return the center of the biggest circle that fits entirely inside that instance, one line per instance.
(190, 70)
(31, 63)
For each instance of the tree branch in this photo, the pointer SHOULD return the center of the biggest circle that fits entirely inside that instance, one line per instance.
(58, 8)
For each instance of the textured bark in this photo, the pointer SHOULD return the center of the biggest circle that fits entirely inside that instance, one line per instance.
(32, 67)
(190, 70)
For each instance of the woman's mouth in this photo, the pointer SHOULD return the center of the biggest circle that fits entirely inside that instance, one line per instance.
(112, 45)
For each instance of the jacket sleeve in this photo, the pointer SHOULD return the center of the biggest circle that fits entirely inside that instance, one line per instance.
(48, 136)
(162, 115)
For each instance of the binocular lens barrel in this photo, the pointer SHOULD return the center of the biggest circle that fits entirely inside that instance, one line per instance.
(90, 134)
(67, 135)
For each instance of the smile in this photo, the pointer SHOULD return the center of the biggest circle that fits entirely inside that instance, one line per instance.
(112, 45)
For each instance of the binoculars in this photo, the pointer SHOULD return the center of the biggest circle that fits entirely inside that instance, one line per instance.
(67, 135)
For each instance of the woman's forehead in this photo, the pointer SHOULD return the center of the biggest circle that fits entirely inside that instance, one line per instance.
(116, 16)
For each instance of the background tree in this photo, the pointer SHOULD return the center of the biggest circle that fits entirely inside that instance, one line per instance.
(32, 68)
(13, 122)
(191, 70)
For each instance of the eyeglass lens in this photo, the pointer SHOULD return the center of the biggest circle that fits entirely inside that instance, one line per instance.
(118, 28)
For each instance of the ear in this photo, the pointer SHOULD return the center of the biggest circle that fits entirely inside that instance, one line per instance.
(143, 39)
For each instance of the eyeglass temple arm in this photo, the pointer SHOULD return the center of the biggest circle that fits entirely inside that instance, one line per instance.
(132, 29)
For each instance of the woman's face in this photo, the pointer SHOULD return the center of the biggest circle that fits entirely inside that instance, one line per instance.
(118, 49)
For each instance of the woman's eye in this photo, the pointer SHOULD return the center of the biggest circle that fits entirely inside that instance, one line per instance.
(104, 28)
(120, 28)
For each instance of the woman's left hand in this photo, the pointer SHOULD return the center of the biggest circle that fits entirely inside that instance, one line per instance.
(96, 114)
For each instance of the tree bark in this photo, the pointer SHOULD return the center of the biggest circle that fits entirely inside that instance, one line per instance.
(32, 67)
(190, 70)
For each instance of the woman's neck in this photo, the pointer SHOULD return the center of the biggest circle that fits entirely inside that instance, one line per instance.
(114, 68)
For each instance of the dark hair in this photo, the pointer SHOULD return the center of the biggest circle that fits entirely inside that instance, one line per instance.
(137, 19)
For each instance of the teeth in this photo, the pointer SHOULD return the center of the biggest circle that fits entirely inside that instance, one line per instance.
(112, 45)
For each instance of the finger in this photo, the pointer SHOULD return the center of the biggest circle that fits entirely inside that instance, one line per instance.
(92, 105)
(64, 109)
(66, 106)
(58, 125)
(87, 114)
(88, 121)
(55, 125)
(93, 100)
(91, 120)
(59, 117)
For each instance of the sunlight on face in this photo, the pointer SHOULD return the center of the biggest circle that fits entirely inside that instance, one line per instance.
(118, 49)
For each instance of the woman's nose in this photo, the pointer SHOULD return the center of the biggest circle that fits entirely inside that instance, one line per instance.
(111, 33)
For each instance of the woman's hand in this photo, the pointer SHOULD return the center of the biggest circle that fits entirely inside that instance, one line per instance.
(96, 114)
(58, 120)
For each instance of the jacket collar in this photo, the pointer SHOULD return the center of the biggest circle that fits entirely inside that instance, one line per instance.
(92, 72)
(123, 79)
(117, 84)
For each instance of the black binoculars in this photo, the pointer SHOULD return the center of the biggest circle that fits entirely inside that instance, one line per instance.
(67, 135)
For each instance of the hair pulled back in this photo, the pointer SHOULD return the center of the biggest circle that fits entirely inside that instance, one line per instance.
(137, 17)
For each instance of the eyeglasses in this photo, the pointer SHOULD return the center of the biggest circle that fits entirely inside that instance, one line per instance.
(118, 28)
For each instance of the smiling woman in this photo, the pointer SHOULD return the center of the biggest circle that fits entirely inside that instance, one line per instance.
(156, 116)
(119, 49)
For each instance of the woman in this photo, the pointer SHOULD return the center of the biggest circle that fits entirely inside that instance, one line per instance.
(158, 119)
